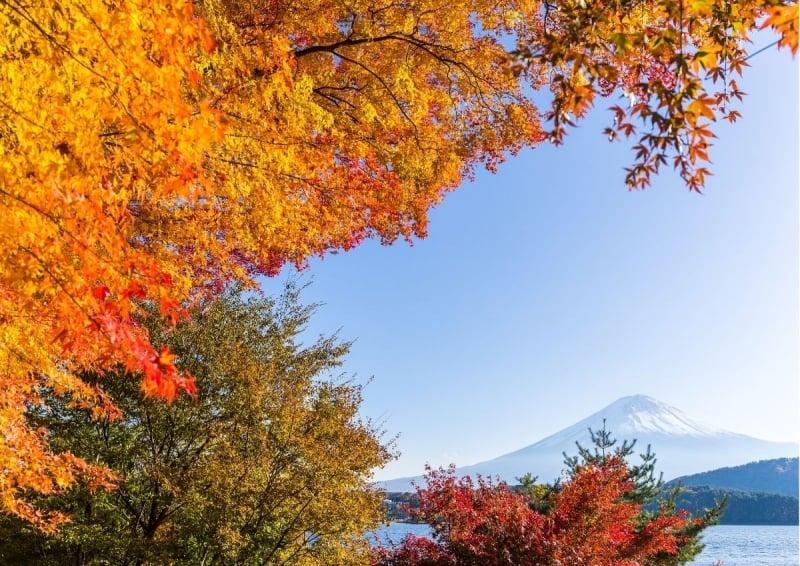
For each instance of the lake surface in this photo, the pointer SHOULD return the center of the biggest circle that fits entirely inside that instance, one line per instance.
(734, 545)
(745, 545)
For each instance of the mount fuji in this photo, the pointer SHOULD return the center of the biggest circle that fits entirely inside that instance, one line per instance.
(682, 446)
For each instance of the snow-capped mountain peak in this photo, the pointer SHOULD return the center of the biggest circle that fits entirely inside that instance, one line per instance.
(641, 414)
(682, 445)
(633, 417)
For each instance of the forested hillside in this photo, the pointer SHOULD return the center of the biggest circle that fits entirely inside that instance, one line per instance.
(770, 476)
(744, 507)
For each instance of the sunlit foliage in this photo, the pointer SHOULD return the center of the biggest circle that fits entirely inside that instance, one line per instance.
(152, 152)
(269, 464)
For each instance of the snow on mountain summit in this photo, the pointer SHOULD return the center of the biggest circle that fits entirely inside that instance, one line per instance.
(638, 413)
(634, 417)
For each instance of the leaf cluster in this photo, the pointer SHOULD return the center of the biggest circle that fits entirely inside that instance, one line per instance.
(677, 62)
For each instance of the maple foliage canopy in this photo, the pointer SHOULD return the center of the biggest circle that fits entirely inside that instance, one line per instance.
(152, 151)
(596, 517)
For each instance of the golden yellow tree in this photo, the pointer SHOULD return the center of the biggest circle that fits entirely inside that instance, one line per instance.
(152, 151)
(268, 464)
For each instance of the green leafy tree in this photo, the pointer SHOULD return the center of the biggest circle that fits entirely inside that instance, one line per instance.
(268, 464)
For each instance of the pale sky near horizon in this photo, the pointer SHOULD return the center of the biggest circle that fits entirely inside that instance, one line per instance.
(548, 290)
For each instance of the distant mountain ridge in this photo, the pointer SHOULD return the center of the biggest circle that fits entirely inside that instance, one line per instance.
(758, 493)
(743, 508)
(682, 445)
(779, 476)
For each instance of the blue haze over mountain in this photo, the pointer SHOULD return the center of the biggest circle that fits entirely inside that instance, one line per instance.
(767, 476)
(682, 445)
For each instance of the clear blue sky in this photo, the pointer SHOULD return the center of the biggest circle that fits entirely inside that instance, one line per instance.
(549, 290)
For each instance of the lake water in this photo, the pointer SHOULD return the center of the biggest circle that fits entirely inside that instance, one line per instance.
(734, 545)
(745, 545)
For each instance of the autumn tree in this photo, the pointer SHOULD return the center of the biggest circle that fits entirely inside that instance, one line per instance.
(269, 464)
(151, 152)
(595, 516)
(647, 490)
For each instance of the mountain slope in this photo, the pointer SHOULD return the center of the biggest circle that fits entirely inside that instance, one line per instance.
(682, 445)
(768, 476)
(744, 507)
